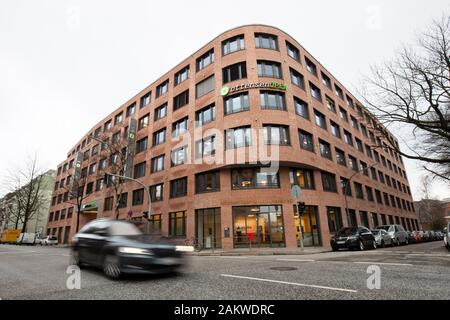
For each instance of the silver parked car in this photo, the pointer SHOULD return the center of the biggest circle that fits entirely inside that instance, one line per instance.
(397, 233)
(382, 238)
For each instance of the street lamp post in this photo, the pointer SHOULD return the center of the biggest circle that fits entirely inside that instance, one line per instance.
(347, 185)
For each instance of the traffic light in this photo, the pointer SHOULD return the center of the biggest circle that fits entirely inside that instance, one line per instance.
(301, 208)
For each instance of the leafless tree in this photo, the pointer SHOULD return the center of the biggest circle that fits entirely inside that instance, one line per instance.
(412, 92)
(28, 189)
(431, 211)
(115, 150)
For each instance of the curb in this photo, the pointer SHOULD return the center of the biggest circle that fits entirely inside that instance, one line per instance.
(256, 253)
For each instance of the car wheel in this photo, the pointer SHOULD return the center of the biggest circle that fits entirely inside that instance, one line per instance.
(335, 248)
(382, 244)
(406, 242)
(111, 267)
(361, 246)
(75, 259)
(374, 244)
(397, 242)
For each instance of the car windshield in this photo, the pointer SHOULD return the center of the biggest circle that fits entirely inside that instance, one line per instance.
(385, 228)
(347, 231)
(376, 232)
(52, 238)
(124, 229)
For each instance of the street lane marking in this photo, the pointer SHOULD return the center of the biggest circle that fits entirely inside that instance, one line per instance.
(289, 283)
(233, 257)
(296, 260)
(383, 263)
(15, 252)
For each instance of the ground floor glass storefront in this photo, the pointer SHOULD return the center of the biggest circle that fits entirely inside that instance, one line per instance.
(258, 226)
(208, 228)
(309, 222)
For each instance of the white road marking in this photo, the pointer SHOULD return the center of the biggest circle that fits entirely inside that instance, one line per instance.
(14, 252)
(289, 283)
(233, 257)
(383, 263)
(296, 260)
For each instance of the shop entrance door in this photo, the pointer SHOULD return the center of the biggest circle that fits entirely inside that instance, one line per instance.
(310, 227)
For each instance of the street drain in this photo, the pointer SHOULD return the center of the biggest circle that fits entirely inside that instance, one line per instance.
(283, 268)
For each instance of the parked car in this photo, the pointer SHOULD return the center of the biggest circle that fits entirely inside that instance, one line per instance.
(411, 237)
(417, 236)
(426, 236)
(397, 233)
(353, 238)
(432, 235)
(439, 236)
(49, 241)
(447, 236)
(382, 238)
(119, 247)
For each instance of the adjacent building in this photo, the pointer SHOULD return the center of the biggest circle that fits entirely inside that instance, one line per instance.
(201, 136)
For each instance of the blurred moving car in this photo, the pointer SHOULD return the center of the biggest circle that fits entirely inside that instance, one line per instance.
(49, 241)
(26, 238)
(397, 233)
(382, 238)
(353, 238)
(119, 247)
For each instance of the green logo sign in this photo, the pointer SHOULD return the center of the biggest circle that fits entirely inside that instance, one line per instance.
(78, 165)
(224, 91)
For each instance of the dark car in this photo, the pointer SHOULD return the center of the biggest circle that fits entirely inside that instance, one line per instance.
(119, 247)
(353, 238)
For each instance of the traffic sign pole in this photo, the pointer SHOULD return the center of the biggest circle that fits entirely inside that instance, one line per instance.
(296, 193)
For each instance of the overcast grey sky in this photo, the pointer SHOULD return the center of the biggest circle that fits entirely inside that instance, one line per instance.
(64, 65)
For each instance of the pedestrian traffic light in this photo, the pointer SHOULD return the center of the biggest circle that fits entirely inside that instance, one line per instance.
(301, 207)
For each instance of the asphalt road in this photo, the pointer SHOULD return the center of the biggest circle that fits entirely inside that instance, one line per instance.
(418, 271)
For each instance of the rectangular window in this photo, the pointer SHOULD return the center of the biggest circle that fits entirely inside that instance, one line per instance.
(181, 100)
(180, 127)
(157, 192)
(177, 224)
(328, 182)
(348, 138)
(207, 182)
(205, 115)
(340, 157)
(339, 92)
(234, 72)
(350, 102)
(92, 169)
(145, 100)
(266, 41)
(359, 191)
(233, 44)
(346, 187)
(161, 112)
(335, 129)
(364, 168)
(354, 122)
(302, 178)
(292, 51)
(236, 103)
(141, 145)
(205, 147)
(178, 156)
(238, 137)
(378, 196)
(205, 60)
(144, 122)
(326, 80)
(359, 145)
(364, 219)
(248, 178)
(369, 192)
(297, 78)
(181, 75)
(162, 88)
(107, 126)
(138, 197)
(364, 131)
(320, 119)
(131, 110)
(343, 114)
(157, 164)
(353, 163)
(311, 67)
(315, 92)
(276, 135)
(373, 172)
(118, 118)
(306, 140)
(272, 100)
(204, 87)
(178, 187)
(331, 105)
(90, 188)
(269, 69)
(301, 108)
(108, 204)
(159, 137)
(139, 170)
(99, 185)
(123, 200)
(325, 150)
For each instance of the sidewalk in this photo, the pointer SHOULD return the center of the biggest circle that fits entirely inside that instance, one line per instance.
(261, 251)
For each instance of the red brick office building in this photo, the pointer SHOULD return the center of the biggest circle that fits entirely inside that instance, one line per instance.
(250, 82)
